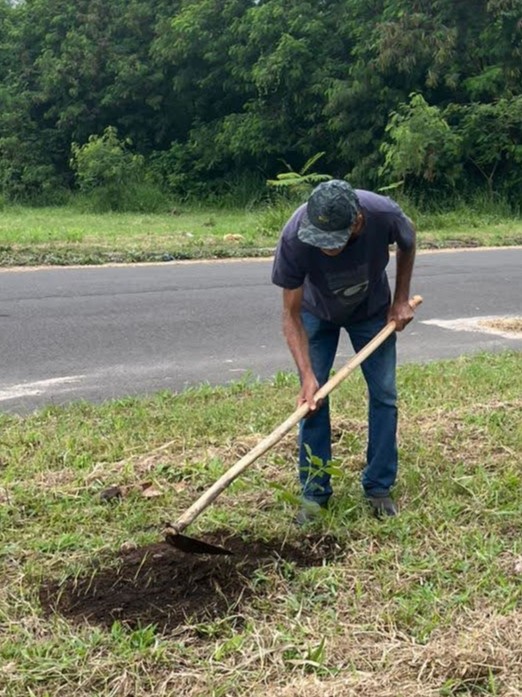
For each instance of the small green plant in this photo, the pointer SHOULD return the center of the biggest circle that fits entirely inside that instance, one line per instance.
(316, 656)
(317, 467)
(293, 189)
(299, 182)
(312, 660)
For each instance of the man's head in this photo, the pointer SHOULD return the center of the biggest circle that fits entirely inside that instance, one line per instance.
(331, 211)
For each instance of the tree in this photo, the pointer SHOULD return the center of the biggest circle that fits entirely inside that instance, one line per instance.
(450, 51)
(79, 67)
(421, 145)
(252, 80)
(214, 90)
(491, 137)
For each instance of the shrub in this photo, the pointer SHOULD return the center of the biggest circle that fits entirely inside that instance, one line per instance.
(112, 178)
(25, 176)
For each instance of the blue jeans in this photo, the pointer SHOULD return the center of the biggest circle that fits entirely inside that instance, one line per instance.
(314, 432)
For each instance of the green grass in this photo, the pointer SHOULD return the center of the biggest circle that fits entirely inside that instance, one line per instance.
(425, 604)
(66, 236)
(32, 236)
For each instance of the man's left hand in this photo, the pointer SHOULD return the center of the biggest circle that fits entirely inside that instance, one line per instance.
(401, 313)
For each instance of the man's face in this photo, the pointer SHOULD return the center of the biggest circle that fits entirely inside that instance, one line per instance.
(356, 228)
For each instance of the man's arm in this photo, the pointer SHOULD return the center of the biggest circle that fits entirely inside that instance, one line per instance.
(400, 310)
(297, 341)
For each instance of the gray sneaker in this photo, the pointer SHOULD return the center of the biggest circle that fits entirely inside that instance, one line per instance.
(309, 512)
(382, 506)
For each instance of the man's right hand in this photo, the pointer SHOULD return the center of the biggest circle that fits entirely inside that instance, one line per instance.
(309, 387)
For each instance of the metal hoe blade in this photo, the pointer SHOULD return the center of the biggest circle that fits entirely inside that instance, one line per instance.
(190, 545)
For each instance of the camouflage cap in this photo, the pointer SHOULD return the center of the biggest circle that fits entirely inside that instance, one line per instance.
(330, 213)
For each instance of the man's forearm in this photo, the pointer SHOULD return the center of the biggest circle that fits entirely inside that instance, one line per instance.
(405, 261)
(297, 342)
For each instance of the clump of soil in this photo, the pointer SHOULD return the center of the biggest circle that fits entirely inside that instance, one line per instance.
(158, 584)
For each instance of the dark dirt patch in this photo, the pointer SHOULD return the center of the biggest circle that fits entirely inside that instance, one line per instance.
(160, 585)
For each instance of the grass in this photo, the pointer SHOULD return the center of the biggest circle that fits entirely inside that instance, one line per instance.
(66, 236)
(32, 236)
(425, 604)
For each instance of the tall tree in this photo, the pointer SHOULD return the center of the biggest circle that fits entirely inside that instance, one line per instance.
(82, 66)
(254, 76)
(447, 50)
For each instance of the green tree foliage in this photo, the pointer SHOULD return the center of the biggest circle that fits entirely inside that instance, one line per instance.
(251, 80)
(77, 68)
(215, 91)
(421, 144)
(26, 167)
(450, 51)
(104, 161)
(113, 177)
(445, 146)
(491, 137)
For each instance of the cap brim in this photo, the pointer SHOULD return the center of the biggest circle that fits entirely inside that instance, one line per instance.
(325, 239)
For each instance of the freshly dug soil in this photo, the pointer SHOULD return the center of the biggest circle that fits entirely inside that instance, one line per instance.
(160, 585)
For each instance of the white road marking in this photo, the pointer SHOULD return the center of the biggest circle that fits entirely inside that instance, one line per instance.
(474, 324)
(32, 389)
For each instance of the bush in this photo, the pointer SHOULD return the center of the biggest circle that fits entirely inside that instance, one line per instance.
(111, 178)
(104, 161)
(25, 177)
(421, 146)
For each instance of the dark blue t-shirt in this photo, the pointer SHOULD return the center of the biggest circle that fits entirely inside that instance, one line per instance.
(353, 285)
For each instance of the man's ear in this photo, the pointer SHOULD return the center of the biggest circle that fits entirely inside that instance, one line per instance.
(359, 221)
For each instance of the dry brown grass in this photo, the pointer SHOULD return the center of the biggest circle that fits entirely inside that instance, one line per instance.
(509, 325)
(481, 650)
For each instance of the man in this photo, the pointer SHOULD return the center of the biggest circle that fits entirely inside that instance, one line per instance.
(330, 262)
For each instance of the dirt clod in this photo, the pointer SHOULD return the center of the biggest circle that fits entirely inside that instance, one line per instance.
(113, 493)
(160, 585)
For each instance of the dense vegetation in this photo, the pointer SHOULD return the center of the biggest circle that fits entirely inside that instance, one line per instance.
(195, 97)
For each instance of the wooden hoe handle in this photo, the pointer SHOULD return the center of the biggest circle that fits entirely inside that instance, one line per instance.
(235, 470)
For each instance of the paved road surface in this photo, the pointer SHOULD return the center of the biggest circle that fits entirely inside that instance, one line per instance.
(103, 332)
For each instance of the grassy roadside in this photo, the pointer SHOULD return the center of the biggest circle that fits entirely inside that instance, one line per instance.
(66, 236)
(427, 604)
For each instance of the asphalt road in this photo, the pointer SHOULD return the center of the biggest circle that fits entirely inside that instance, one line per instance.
(105, 332)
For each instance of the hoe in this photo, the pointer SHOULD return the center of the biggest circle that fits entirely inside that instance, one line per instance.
(173, 531)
